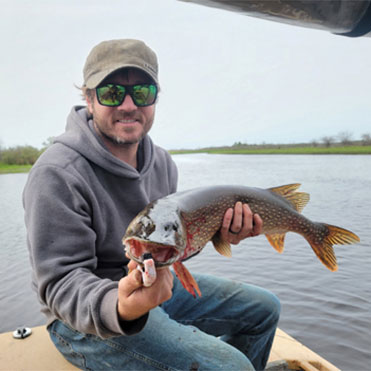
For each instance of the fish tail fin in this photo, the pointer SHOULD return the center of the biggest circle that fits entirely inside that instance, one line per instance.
(298, 200)
(323, 241)
(186, 279)
(277, 241)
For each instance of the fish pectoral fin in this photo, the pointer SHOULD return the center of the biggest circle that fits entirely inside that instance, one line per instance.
(221, 246)
(277, 241)
(186, 279)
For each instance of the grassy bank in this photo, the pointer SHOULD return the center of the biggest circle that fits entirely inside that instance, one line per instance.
(6, 169)
(277, 150)
(338, 150)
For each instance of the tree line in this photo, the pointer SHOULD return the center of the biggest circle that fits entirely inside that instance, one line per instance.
(344, 138)
(22, 155)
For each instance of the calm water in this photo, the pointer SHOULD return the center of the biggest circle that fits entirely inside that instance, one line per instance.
(329, 312)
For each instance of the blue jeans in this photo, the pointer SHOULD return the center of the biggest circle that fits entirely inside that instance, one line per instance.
(231, 327)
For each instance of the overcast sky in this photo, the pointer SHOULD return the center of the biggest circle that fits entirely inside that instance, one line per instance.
(225, 77)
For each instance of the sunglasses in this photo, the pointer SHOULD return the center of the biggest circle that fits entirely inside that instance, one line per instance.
(112, 95)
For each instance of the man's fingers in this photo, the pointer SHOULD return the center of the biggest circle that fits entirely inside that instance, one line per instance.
(258, 225)
(132, 265)
(237, 218)
(248, 219)
(130, 283)
(227, 220)
(239, 223)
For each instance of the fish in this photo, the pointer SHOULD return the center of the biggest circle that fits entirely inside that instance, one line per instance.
(177, 227)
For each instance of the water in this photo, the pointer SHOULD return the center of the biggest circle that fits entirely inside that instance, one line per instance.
(328, 312)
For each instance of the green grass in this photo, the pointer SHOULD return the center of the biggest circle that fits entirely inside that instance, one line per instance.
(343, 150)
(6, 169)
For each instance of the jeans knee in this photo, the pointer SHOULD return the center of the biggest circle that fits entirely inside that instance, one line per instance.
(273, 308)
(234, 360)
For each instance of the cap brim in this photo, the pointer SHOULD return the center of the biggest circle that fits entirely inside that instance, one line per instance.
(95, 80)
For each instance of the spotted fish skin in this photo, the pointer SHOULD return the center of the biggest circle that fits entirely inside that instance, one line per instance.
(178, 226)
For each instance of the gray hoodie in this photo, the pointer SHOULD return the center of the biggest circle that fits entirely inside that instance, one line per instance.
(78, 201)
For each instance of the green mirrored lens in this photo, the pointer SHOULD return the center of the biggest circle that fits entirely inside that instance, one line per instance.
(111, 95)
(144, 95)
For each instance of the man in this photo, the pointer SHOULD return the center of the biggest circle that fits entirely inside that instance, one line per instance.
(80, 197)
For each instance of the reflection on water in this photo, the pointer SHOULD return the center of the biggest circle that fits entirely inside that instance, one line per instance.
(329, 312)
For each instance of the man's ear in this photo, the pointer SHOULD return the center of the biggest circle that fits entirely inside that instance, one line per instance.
(90, 102)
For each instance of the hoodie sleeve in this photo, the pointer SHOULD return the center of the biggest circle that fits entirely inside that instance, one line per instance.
(61, 241)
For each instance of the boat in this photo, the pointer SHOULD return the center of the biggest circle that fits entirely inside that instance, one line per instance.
(36, 352)
(341, 17)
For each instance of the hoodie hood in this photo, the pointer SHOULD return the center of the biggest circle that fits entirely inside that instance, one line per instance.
(81, 137)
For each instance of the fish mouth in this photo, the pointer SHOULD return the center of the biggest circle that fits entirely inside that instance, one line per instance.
(163, 255)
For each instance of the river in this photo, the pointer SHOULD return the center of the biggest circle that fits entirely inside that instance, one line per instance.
(328, 312)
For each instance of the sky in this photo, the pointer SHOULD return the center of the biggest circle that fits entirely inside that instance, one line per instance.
(225, 77)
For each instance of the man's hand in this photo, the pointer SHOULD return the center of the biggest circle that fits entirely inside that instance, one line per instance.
(135, 300)
(240, 223)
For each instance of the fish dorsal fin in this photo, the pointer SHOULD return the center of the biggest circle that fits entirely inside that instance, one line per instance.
(221, 246)
(277, 241)
(285, 189)
(297, 199)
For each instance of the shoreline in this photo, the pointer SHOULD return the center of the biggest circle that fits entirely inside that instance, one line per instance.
(337, 150)
(284, 150)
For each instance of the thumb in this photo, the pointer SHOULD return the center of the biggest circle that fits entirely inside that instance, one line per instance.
(130, 283)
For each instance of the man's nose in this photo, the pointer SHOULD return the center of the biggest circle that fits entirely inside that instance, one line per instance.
(127, 104)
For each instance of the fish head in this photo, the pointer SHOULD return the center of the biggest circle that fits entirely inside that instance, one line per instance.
(157, 230)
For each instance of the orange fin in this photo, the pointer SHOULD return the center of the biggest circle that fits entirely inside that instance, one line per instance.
(186, 279)
(221, 246)
(333, 236)
(297, 199)
(285, 189)
(277, 241)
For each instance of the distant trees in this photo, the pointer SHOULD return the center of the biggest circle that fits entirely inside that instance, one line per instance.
(20, 155)
(327, 141)
(23, 155)
(345, 137)
(366, 139)
(314, 143)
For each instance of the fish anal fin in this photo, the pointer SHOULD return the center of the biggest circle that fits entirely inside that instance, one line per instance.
(186, 279)
(221, 246)
(277, 241)
(298, 200)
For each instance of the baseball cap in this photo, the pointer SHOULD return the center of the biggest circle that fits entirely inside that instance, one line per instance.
(112, 55)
